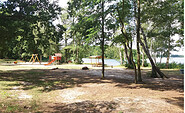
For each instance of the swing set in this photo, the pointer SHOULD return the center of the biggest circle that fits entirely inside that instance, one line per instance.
(34, 58)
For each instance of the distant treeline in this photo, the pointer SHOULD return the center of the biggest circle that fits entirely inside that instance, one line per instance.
(177, 55)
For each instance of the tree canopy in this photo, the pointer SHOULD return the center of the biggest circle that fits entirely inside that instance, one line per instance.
(26, 27)
(93, 27)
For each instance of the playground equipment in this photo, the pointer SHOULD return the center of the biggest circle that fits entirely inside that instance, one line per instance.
(57, 57)
(97, 63)
(34, 58)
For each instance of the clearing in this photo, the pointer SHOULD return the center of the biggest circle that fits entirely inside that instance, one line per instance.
(70, 89)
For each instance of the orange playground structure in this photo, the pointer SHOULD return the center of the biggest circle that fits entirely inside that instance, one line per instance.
(52, 59)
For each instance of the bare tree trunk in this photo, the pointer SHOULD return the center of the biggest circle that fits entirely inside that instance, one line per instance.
(103, 66)
(161, 57)
(168, 55)
(121, 57)
(127, 40)
(40, 58)
(77, 59)
(154, 57)
(133, 63)
(126, 54)
(66, 49)
(66, 56)
(143, 58)
(154, 68)
(138, 38)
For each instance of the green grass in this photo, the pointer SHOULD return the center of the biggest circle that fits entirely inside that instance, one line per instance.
(34, 82)
(9, 101)
(12, 106)
(6, 60)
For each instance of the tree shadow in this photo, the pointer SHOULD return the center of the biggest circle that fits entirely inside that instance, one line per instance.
(177, 101)
(66, 78)
(83, 107)
(48, 80)
(175, 82)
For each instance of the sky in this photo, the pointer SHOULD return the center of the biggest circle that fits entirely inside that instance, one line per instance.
(63, 3)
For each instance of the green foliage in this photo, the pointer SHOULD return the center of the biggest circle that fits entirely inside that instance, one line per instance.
(162, 20)
(112, 52)
(171, 65)
(146, 64)
(26, 28)
(130, 66)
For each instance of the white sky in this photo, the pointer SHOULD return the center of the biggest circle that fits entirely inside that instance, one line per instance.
(63, 3)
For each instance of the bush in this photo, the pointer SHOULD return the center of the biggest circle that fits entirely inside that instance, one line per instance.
(146, 64)
(172, 65)
(130, 66)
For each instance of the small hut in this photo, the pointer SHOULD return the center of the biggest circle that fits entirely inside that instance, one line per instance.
(97, 63)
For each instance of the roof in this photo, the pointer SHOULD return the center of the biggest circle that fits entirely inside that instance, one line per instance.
(95, 57)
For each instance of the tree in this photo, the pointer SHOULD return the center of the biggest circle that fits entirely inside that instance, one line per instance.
(29, 28)
(139, 79)
(160, 20)
(92, 21)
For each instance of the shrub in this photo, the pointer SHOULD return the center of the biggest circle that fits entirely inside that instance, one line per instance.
(130, 66)
(172, 65)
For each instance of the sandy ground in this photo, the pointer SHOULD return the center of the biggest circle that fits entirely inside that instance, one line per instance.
(115, 94)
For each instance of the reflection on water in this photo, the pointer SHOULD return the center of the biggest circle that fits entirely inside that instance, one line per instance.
(113, 62)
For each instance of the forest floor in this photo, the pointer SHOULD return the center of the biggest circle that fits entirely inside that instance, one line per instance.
(26, 88)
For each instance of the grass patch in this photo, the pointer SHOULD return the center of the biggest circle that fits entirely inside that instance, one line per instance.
(168, 72)
(13, 85)
(6, 60)
(20, 106)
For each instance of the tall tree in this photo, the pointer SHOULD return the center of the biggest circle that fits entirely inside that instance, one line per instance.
(163, 11)
(138, 46)
(30, 24)
(103, 38)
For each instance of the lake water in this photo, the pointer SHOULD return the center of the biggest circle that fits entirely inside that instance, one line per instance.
(109, 62)
(172, 59)
(113, 62)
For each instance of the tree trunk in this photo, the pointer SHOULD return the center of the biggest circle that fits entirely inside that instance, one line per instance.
(168, 55)
(130, 54)
(127, 41)
(103, 66)
(65, 49)
(161, 57)
(126, 54)
(40, 58)
(66, 55)
(143, 58)
(120, 55)
(77, 59)
(132, 61)
(138, 38)
(154, 68)
(135, 70)
(154, 57)
(124, 58)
